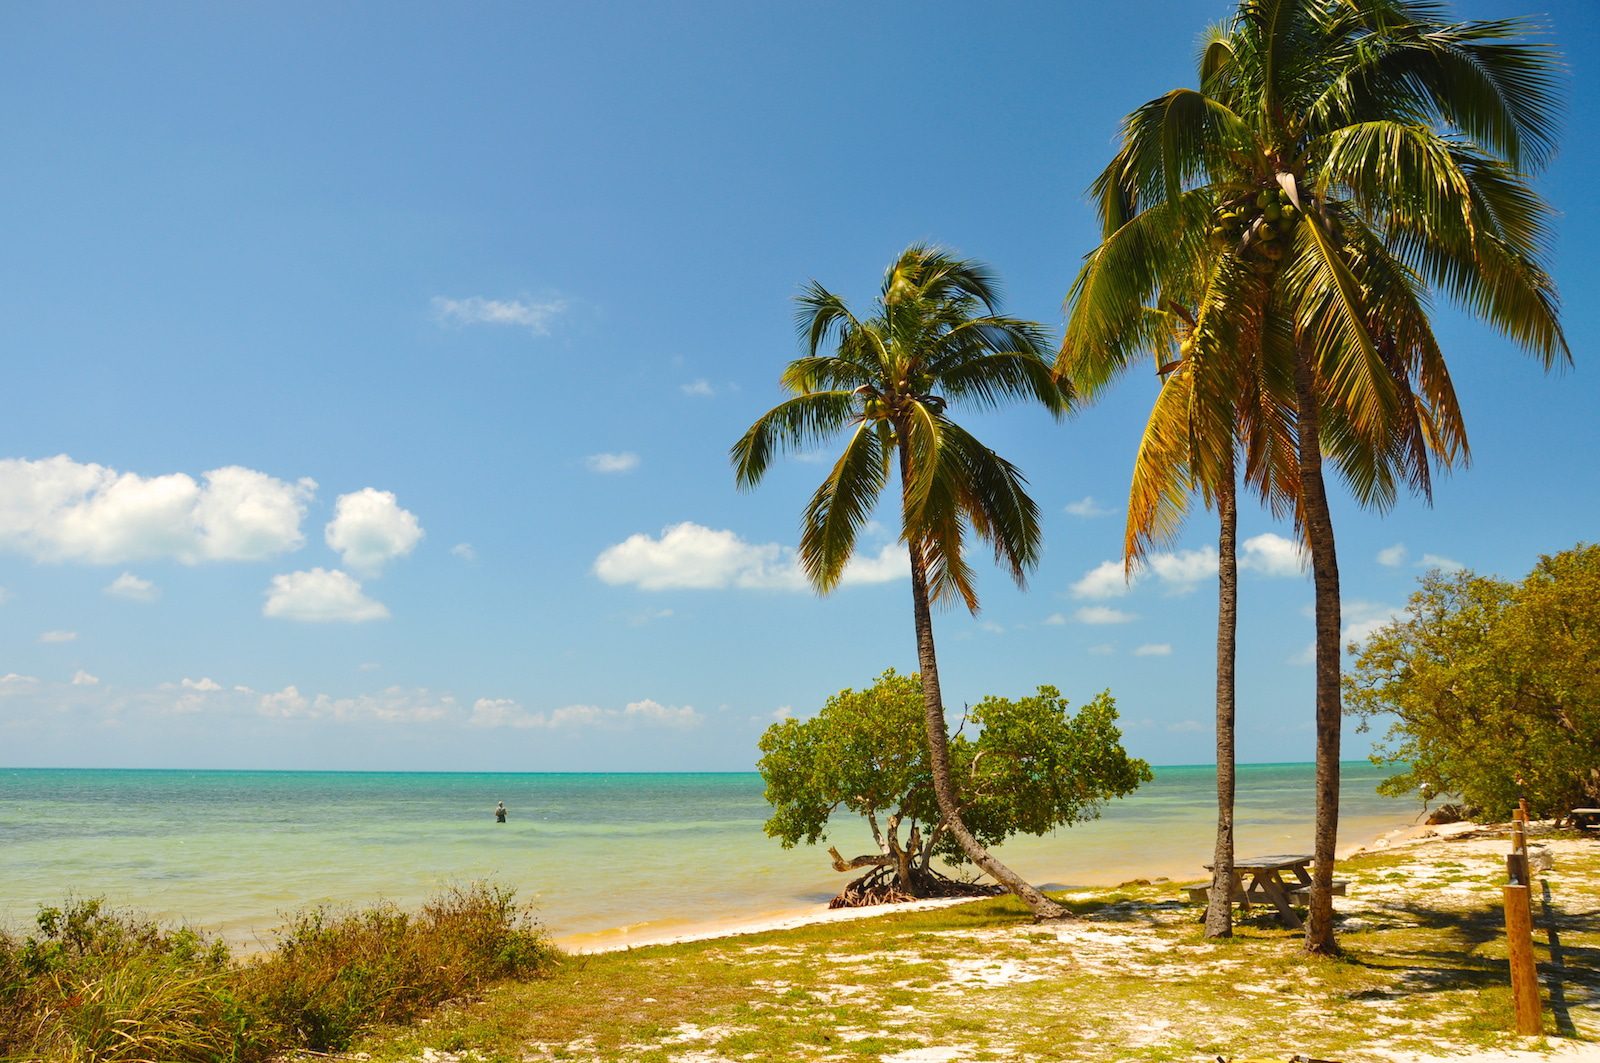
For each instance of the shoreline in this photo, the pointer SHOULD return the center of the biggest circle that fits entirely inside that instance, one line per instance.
(674, 932)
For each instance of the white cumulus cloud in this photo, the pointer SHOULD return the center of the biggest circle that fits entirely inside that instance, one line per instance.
(506, 712)
(668, 715)
(320, 595)
(133, 588)
(1444, 564)
(1181, 571)
(286, 703)
(80, 678)
(533, 315)
(57, 509)
(690, 556)
(1273, 555)
(624, 461)
(394, 705)
(1105, 580)
(369, 529)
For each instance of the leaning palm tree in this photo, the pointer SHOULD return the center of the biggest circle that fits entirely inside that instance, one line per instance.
(935, 338)
(1340, 162)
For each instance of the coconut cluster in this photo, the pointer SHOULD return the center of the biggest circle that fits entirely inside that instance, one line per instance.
(1254, 224)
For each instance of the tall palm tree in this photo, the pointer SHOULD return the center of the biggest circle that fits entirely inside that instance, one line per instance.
(1192, 443)
(1340, 162)
(935, 338)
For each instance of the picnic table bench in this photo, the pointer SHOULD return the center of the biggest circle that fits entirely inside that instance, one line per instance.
(1586, 818)
(1261, 879)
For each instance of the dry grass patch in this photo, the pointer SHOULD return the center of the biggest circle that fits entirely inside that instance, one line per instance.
(1133, 978)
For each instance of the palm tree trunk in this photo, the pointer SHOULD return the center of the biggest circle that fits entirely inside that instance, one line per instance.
(939, 755)
(1219, 910)
(1325, 580)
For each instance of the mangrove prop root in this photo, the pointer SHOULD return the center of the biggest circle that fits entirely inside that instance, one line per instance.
(879, 886)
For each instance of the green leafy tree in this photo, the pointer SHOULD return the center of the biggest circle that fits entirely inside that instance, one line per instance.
(887, 381)
(1340, 162)
(1031, 768)
(1491, 688)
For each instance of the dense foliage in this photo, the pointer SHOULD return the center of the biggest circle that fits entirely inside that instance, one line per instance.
(1492, 687)
(91, 984)
(1031, 767)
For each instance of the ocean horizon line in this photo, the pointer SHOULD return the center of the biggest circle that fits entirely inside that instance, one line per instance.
(561, 774)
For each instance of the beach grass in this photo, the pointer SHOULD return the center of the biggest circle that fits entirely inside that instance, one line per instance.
(92, 983)
(1423, 971)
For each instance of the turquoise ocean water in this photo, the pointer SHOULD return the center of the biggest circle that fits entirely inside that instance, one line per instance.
(603, 856)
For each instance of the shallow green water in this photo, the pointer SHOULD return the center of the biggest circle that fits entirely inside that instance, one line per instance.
(228, 851)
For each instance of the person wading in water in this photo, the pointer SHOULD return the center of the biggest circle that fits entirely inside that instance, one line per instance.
(500, 812)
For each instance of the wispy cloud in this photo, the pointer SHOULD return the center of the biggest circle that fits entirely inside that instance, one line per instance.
(1392, 556)
(1362, 619)
(533, 315)
(605, 463)
(133, 588)
(464, 551)
(1444, 564)
(1100, 614)
(1154, 649)
(1087, 508)
(698, 389)
(58, 636)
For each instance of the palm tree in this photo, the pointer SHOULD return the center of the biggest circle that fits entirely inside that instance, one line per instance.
(1191, 443)
(1341, 162)
(935, 338)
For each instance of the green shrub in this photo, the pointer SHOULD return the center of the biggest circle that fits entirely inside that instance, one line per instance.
(99, 985)
(334, 973)
(95, 985)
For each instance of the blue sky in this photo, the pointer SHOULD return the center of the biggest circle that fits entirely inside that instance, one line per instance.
(372, 369)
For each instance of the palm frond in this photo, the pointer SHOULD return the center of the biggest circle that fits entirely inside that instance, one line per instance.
(795, 424)
(839, 509)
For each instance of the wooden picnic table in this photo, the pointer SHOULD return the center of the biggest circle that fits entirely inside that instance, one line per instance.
(1587, 818)
(1267, 883)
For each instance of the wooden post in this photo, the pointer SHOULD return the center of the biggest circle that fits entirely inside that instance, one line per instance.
(1519, 949)
(1519, 850)
(1522, 807)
